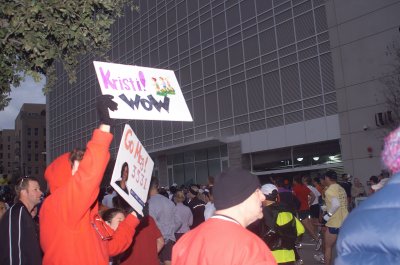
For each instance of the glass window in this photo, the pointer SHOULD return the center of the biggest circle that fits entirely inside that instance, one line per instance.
(251, 48)
(179, 174)
(247, 9)
(183, 42)
(201, 172)
(209, 65)
(222, 60)
(206, 30)
(173, 48)
(196, 70)
(263, 5)
(233, 16)
(29, 131)
(190, 174)
(198, 105)
(36, 144)
(178, 158)
(224, 150)
(189, 156)
(194, 36)
(214, 167)
(213, 152)
(239, 98)
(29, 144)
(236, 54)
(36, 131)
(201, 154)
(219, 23)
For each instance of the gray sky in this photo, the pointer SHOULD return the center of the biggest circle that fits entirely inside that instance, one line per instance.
(27, 92)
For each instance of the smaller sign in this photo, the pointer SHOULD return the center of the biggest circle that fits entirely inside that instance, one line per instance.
(133, 169)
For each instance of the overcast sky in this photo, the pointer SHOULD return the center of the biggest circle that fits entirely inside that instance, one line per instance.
(27, 92)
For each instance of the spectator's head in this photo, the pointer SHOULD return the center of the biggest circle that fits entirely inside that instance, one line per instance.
(173, 189)
(297, 180)
(271, 193)
(307, 180)
(330, 177)
(279, 182)
(163, 192)
(356, 181)
(28, 191)
(193, 191)
(113, 217)
(60, 171)
(75, 157)
(154, 184)
(179, 196)
(237, 194)
(373, 180)
(316, 181)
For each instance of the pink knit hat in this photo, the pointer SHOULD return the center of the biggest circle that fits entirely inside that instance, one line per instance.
(391, 151)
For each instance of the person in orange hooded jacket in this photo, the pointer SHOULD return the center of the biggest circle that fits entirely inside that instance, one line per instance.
(71, 231)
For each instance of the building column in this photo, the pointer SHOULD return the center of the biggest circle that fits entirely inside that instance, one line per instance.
(235, 156)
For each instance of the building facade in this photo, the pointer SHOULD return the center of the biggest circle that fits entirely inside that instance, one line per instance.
(361, 35)
(258, 76)
(30, 147)
(7, 153)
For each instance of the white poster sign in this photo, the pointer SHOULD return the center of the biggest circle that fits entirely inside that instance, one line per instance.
(133, 169)
(142, 93)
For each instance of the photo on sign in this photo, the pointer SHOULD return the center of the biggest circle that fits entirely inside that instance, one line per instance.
(132, 171)
(142, 93)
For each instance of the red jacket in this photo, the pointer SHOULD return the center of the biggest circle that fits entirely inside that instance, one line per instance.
(67, 235)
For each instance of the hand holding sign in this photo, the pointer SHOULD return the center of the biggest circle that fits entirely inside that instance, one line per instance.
(103, 103)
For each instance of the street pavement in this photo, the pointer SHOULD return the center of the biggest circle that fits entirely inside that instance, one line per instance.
(307, 251)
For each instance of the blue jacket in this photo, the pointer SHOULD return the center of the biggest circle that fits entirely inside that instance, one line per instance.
(371, 232)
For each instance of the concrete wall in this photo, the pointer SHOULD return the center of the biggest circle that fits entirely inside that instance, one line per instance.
(360, 31)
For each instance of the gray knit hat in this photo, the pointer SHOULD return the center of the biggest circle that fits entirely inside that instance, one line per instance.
(232, 187)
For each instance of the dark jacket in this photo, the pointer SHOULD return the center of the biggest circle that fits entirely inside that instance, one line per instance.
(23, 229)
(197, 207)
(369, 235)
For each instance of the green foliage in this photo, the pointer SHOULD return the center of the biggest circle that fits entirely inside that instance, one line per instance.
(34, 34)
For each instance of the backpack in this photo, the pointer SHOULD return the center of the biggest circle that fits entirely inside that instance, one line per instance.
(275, 236)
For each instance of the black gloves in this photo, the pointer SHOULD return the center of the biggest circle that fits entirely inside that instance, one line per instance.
(103, 103)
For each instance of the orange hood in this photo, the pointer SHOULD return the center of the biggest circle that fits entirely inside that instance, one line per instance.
(58, 172)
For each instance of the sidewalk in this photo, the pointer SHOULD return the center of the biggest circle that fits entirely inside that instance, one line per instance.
(307, 251)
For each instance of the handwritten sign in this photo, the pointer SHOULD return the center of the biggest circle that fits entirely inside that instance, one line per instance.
(133, 169)
(142, 93)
